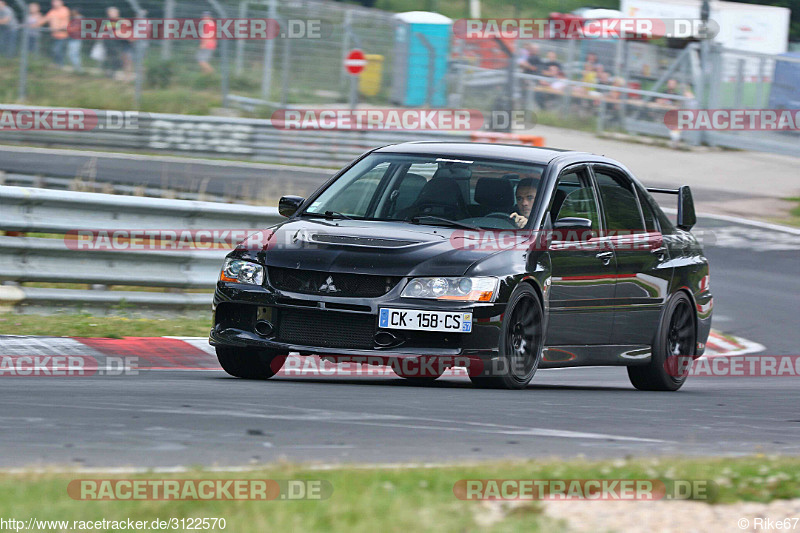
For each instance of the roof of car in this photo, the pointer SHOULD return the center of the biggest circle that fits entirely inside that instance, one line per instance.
(516, 152)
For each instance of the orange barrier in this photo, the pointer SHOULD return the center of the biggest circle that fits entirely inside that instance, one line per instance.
(508, 138)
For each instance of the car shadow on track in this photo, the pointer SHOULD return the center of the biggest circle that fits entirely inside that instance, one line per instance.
(443, 384)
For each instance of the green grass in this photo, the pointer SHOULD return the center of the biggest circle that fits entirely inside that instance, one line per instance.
(83, 325)
(383, 499)
(794, 213)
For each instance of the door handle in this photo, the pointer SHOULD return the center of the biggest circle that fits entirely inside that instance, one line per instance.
(659, 252)
(605, 257)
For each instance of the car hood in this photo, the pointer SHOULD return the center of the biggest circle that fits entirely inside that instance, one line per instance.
(375, 247)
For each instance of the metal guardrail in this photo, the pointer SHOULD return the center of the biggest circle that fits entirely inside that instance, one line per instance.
(225, 137)
(51, 260)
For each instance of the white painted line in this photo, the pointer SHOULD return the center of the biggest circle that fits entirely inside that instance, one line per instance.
(743, 221)
(365, 419)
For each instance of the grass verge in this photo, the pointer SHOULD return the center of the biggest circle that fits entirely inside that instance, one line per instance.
(794, 213)
(83, 325)
(386, 499)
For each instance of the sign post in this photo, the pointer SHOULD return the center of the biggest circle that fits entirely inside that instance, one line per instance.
(354, 64)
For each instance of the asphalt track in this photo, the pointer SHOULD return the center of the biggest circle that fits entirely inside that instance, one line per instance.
(230, 179)
(171, 418)
(245, 181)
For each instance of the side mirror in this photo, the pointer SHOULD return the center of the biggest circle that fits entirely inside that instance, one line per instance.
(686, 216)
(289, 205)
(573, 224)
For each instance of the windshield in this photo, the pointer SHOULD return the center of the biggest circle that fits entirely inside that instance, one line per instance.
(433, 190)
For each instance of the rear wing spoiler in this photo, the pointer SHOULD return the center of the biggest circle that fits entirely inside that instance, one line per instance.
(686, 215)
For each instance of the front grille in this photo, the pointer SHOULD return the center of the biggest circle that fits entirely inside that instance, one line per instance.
(328, 329)
(340, 284)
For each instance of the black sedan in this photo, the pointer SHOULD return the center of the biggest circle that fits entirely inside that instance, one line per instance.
(499, 259)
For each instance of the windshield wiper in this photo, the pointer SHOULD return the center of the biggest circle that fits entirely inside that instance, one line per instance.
(327, 214)
(442, 221)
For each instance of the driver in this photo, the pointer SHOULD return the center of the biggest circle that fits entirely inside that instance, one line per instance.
(526, 193)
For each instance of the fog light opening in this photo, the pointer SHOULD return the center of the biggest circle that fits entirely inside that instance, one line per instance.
(264, 328)
(385, 338)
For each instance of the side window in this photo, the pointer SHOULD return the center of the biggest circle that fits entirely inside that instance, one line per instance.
(620, 205)
(663, 220)
(574, 197)
(650, 223)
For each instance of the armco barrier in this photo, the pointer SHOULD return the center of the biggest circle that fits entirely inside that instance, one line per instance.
(225, 137)
(50, 260)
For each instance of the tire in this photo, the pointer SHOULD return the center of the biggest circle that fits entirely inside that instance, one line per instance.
(249, 363)
(676, 336)
(521, 343)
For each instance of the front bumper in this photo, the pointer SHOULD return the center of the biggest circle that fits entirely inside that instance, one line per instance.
(326, 325)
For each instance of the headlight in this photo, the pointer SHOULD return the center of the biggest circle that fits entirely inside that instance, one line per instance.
(459, 289)
(238, 271)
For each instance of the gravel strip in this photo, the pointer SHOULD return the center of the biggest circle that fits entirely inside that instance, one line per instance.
(674, 516)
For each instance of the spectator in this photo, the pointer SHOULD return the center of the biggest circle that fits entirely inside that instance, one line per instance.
(616, 94)
(208, 43)
(74, 45)
(603, 78)
(530, 62)
(114, 47)
(561, 80)
(552, 60)
(591, 59)
(589, 73)
(32, 22)
(58, 19)
(8, 30)
(525, 195)
(672, 88)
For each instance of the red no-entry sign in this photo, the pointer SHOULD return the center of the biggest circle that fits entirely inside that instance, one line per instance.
(355, 62)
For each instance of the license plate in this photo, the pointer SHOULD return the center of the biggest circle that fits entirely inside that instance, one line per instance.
(419, 320)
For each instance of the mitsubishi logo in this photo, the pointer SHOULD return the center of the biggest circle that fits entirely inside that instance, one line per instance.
(328, 286)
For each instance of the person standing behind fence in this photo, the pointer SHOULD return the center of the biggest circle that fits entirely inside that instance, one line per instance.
(529, 61)
(208, 43)
(8, 30)
(74, 45)
(113, 46)
(58, 19)
(32, 22)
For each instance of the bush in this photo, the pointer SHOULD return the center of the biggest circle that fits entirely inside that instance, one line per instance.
(159, 74)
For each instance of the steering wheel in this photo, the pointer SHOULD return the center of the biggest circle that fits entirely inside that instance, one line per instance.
(498, 214)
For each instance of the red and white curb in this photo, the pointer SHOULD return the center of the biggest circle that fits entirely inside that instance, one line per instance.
(719, 345)
(194, 353)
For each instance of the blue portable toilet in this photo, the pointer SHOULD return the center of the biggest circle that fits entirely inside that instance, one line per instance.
(412, 59)
(785, 90)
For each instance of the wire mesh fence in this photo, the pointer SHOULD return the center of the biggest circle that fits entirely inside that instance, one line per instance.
(303, 66)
